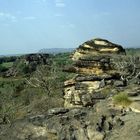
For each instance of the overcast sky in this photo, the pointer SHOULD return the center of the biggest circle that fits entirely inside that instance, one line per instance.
(29, 25)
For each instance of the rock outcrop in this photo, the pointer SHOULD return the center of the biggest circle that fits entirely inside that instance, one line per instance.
(97, 46)
(27, 64)
(36, 58)
(94, 69)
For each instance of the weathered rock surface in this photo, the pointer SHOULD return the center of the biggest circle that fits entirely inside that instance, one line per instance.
(92, 64)
(131, 129)
(97, 46)
(36, 58)
(99, 123)
(135, 106)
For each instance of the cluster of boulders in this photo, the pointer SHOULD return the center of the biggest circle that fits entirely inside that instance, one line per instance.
(27, 64)
(94, 71)
(37, 58)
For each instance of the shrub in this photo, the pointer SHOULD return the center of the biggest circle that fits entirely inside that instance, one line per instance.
(122, 99)
(106, 91)
(127, 66)
(3, 69)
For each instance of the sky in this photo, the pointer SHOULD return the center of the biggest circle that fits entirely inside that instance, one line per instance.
(27, 26)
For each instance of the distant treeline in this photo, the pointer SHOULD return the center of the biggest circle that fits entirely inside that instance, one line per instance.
(133, 51)
(8, 59)
(56, 50)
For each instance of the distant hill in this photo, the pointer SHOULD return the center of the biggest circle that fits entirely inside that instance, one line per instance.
(10, 55)
(56, 50)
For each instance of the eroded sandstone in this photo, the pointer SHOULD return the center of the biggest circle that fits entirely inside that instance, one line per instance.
(93, 66)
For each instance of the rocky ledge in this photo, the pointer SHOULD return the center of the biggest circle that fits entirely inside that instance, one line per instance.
(99, 123)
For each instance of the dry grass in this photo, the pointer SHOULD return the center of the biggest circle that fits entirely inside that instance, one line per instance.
(45, 103)
(122, 99)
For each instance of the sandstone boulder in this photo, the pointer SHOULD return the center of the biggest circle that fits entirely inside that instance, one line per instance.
(93, 66)
(97, 46)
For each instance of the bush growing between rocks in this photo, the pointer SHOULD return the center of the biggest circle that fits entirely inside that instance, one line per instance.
(107, 91)
(122, 99)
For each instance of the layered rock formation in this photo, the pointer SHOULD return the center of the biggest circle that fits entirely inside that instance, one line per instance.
(94, 69)
(97, 46)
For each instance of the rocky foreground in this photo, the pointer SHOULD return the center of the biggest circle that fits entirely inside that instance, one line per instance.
(89, 112)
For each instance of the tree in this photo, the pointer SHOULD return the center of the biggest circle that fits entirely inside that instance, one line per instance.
(50, 77)
(44, 77)
(128, 66)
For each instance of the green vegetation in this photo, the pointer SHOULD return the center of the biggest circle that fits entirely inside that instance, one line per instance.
(133, 51)
(35, 92)
(7, 64)
(2, 69)
(107, 91)
(122, 99)
(8, 59)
